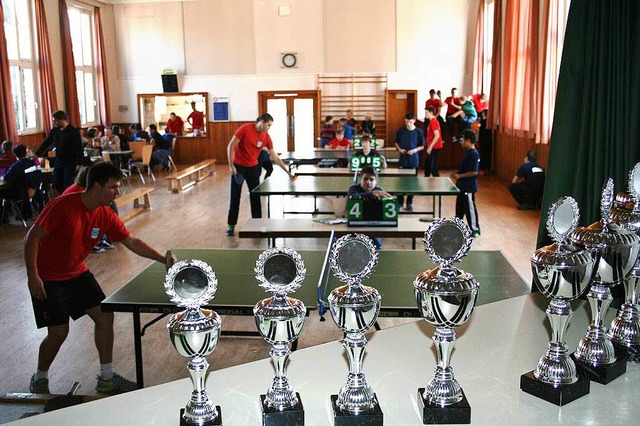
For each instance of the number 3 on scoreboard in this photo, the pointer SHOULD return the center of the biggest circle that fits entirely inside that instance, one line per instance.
(355, 209)
(390, 208)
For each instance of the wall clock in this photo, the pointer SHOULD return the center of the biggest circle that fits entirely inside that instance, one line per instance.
(289, 60)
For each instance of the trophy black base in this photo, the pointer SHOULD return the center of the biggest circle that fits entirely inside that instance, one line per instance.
(372, 417)
(291, 417)
(631, 353)
(433, 414)
(560, 395)
(604, 373)
(216, 422)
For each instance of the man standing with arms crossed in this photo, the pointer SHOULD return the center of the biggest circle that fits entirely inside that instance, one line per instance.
(409, 142)
(67, 144)
(243, 152)
(60, 283)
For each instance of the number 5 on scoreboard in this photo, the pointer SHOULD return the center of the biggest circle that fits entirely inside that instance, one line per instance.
(355, 209)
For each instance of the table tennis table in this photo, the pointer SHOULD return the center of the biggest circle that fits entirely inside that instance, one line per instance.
(238, 291)
(323, 186)
(313, 170)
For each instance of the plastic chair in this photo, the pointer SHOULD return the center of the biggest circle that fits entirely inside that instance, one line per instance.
(146, 159)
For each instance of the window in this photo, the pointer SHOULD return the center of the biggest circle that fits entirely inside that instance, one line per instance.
(488, 46)
(19, 30)
(82, 39)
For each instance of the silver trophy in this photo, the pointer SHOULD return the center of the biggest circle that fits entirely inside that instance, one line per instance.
(280, 319)
(194, 333)
(446, 297)
(625, 328)
(561, 272)
(617, 251)
(354, 308)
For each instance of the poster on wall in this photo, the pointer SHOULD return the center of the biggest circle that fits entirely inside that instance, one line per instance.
(220, 109)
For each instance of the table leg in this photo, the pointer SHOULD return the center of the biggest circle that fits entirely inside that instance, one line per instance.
(137, 343)
(439, 206)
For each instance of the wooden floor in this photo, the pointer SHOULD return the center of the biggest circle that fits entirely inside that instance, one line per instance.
(197, 218)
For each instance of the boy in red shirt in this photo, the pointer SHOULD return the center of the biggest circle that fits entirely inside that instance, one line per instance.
(243, 152)
(434, 143)
(339, 142)
(60, 283)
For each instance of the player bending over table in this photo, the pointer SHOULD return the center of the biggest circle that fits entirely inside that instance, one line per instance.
(60, 283)
(243, 152)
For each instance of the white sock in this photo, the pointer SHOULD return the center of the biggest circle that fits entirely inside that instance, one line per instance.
(42, 375)
(106, 371)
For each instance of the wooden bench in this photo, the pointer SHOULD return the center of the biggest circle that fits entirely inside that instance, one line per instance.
(194, 173)
(136, 195)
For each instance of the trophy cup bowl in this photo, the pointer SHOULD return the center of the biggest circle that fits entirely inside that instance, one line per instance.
(279, 320)
(354, 308)
(194, 333)
(562, 273)
(617, 251)
(625, 328)
(445, 297)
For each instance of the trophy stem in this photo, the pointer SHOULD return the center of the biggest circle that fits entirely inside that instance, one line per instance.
(280, 395)
(443, 389)
(200, 408)
(355, 396)
(556, 367)
(596, 348)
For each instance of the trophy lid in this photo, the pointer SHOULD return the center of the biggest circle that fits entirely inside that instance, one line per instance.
(279, 308)
(447, 241)
(624, 199)
(280, 270)
(353, 258)
(453, 283)
(190, 284)
(566, 257)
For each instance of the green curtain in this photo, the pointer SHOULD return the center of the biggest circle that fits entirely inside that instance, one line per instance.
(596, 126)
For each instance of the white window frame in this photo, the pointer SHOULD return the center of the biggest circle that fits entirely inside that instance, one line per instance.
(26, 64)
(87, 69)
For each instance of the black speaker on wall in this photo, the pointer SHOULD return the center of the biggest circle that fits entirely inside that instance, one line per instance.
(170, 83)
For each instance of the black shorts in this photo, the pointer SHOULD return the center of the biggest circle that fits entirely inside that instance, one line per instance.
(69, 298)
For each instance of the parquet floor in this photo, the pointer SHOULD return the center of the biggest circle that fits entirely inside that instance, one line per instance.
(197, 218)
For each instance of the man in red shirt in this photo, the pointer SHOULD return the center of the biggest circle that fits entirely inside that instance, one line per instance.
(453, 105)
(480, 102)
(196, 119)
(174, 124)
(243, 152)
(434, 143)
(60, 283)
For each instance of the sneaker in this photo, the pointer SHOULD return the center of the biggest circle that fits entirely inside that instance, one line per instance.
(475, 234)
(115, 385)
(97, 249)
(106, 245)
(400, 208)
(409, 207)
(39, 386)
(231, 230)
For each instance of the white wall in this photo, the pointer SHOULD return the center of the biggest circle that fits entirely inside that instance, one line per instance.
(233, 48)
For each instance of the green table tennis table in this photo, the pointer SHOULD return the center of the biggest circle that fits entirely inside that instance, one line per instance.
(321, 186)
(238, 291)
